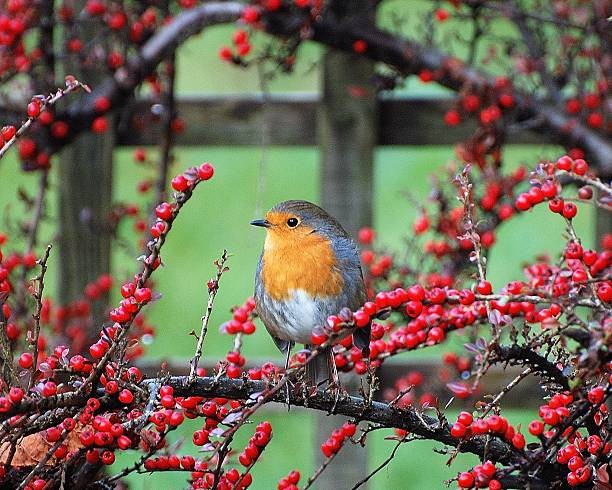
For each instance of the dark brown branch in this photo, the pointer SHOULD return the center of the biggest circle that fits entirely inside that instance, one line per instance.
(118, 88)
(353, 407)
(410, 57)
(517, 354)
(407, 56)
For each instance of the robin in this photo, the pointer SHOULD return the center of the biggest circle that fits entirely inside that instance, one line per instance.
(308, 270)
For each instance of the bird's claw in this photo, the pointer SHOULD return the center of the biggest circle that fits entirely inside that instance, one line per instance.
(288, 388)
(337, 392)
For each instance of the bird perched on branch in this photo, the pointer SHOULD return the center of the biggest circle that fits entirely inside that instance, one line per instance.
(308, 270)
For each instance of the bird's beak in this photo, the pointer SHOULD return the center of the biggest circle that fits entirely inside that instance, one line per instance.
(261, 222)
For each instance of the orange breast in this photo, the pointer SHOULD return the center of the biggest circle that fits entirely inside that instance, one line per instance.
(307, 263)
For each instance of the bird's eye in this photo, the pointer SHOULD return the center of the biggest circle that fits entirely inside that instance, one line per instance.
(292, 222)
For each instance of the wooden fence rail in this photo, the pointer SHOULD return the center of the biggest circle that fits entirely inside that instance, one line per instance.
(231, 120)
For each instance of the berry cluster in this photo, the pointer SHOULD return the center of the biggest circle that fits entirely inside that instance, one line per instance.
(481, 476)
(290, 481)
(466, 427)
(488, 105)
(546, 186)
(337, 439)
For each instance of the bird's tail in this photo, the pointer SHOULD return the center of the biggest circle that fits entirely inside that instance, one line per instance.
(318, 370)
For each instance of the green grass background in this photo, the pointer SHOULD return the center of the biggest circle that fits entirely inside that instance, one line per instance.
(247, 182)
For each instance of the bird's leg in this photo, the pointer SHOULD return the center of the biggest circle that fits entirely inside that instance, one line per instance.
(333, 380)
(289, 347)
(287, 388)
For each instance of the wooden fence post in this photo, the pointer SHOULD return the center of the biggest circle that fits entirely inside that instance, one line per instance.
(85, 187)
(347, 127)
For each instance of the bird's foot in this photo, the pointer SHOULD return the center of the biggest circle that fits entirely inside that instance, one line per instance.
(337, 392)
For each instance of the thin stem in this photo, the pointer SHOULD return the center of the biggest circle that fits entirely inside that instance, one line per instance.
(381, 465)
(38, 297)
(213, 288)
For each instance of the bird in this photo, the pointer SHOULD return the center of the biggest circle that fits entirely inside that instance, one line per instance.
(309, 269)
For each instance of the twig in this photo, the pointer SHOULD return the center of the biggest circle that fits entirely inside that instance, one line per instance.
(38, 297)
(71, 85)
(213, 288)
(322, 468)
(155, 246)
(8, 372)
(381, 465)
(506, 390)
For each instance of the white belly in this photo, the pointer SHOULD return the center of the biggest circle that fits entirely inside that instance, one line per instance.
(302, 315)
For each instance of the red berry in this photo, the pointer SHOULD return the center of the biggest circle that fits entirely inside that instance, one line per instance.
(99, 125)
(506, 100)
(200, 437)
(604, 292)
(565, 163)
(458, 430)
(575, 462)
(361, 318)
(556, 205)
(250, 15)
(466, 480)
(465, 418)
(470, 103)
(585, 192)
(126, 397)
(143, 295)
(16, 394)
(580, 166)
(225, 53)
(569, 210)
(484, 287)
(102, 104)
(573, 106)
(596, 395)
(595, 120)
(180, 183)
(366, 235)
(27, 149)
(49, 389)
(206, 171)
(442, 14)
(536, 428)
(8, 132)
(523, 203)
(518, 441)
(59, 129)
(348, 429)
(53, 434)
(34, 108)
(360, 46)
(452, 118)
(549, 190)
(108, 457)
(26, 360)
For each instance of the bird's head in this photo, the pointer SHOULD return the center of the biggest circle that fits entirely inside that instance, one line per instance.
(295, 223)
